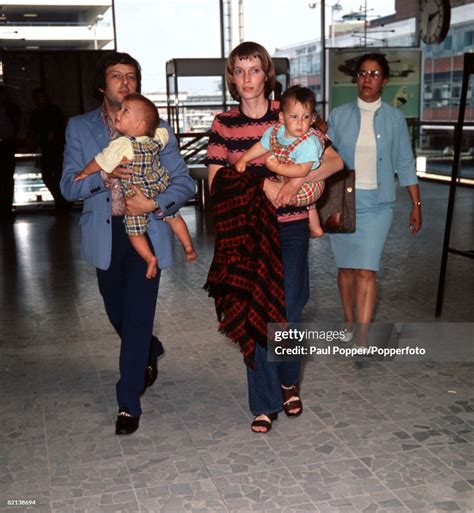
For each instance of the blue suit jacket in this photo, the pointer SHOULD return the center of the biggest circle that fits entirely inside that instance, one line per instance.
(87, 135)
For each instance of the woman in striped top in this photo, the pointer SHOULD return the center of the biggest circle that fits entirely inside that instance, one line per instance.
(250, 77)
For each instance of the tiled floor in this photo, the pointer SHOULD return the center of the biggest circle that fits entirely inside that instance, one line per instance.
(378, 437)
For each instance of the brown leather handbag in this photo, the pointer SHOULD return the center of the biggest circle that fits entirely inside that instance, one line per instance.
(336, 207)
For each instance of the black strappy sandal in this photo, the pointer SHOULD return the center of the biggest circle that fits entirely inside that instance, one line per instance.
(292, 404)
(267, 424)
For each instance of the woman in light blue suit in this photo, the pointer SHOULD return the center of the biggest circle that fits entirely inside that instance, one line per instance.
(129, 297)
(372, 138)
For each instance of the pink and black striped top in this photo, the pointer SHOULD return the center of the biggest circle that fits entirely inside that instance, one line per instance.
(233, 133)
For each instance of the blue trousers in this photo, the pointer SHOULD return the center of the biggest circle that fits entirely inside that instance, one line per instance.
(130, 302)
(264, 383)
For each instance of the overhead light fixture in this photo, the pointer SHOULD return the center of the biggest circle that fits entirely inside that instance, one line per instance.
(30, 15)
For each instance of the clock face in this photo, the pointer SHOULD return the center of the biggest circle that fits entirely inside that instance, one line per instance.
(435, 17)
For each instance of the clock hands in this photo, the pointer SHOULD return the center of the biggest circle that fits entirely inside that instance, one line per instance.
(428, 20)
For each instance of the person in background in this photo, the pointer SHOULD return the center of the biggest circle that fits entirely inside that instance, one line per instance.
(9, 124)
(129, 297)
(46, 132)
(372, 138)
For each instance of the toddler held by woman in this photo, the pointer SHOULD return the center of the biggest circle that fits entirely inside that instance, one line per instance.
(295, 147)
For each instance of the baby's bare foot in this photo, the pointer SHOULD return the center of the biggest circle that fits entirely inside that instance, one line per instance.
(189, 254)
(151, 267)
(314, 233)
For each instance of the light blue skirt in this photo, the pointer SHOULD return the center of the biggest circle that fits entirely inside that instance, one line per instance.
(363, 248)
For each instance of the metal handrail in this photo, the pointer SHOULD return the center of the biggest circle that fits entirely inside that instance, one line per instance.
(421, 122)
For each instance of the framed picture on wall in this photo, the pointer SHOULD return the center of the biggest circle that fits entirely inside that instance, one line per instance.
(402, 90)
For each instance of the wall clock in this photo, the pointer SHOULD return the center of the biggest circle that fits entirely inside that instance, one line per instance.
(435, 17)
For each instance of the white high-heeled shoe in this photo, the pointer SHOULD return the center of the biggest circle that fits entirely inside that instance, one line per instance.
(348, 335)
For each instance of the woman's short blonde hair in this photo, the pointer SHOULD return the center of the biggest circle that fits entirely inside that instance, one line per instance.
(247, 50)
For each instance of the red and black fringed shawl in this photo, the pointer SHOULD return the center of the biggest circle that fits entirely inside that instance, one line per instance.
(246, 274)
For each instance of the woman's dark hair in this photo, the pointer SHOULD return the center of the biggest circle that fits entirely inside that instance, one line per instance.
(149, 110)
(111, 59)
(247, 50)
(379, 58)
(298, 94)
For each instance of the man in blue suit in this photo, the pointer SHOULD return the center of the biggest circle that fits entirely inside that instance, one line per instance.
(129, 297)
